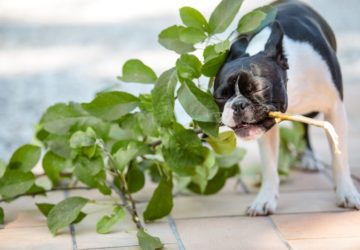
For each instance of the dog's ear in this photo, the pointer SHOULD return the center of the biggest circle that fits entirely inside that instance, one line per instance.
(274, 46)
(238, 49)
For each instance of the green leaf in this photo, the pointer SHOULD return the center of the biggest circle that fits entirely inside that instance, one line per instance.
(212, 186)
(170, 39)
(192, 35)
(216, 183)
(182, 150)
(223, 15)
(123, 156)
(35, 189)
(148, 124)
(61, 117)
(229, 160)
(145, 102)
(45, 208)
(2, 216)
(222, 46)
(127, 128)
(292, 145)
(15, 182)
(91, 166)
(163, 97)
(188, 67)
(135, 179)
(209, 53)
(25, 158)
(161, 201)
(91, 172)
(148, 242)
(250, 22)
(197, 103)
(213, 64)
(64, 213)
(80, 217)
(2, 168)
(110, 106)
(209, 128)
(206, 171)
(53, 165)
(256, 20)
(82, 139)
(135, 70)
(105, 224)
(225, 143)
(193, 18)
(58, 144)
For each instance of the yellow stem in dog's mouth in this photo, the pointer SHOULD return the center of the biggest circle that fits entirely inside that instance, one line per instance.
(327, 126)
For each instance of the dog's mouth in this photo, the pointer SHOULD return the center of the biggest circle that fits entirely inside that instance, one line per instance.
(251, 131)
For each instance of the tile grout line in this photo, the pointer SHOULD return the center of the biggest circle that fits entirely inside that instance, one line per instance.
(278, 233)
(72, 228)
(119, 247)
(325, 238)
(277, 214)
(174, 230)
(243, 185)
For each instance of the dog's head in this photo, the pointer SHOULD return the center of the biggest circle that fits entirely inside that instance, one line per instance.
(248, 87)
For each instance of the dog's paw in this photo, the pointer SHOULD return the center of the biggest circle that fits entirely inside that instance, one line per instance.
(309, 162)
(347, 196)
(264, 204)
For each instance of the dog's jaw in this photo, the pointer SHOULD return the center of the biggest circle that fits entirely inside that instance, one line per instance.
(246, 133)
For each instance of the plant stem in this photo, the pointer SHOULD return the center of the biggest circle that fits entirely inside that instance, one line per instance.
(123, 193)
(328, 127)
(130, 207)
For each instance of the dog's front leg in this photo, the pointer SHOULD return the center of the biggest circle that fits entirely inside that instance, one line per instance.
(346, 193)
(266, 200)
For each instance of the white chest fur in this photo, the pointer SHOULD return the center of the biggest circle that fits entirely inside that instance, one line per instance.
(310, 86)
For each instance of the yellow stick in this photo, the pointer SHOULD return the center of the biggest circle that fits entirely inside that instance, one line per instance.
(329, 129)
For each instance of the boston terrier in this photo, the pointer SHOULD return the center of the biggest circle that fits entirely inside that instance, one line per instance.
(288, 66)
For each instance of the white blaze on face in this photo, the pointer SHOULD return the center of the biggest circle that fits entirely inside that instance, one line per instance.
(228, 114)
(252, 132)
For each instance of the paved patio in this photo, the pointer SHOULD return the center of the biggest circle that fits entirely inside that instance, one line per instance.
(307, 218)
(82, 46)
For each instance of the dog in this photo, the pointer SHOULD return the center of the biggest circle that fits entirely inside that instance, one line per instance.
(288, 66)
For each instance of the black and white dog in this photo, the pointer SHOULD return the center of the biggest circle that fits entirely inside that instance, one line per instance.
(291, 65)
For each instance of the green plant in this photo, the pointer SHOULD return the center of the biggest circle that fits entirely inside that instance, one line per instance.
(112, 142)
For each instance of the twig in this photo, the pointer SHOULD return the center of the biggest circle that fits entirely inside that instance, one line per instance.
(329, 129)
(123, 193)
(131, 208)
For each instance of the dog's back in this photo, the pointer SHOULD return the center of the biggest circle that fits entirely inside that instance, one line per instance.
(314, 73)
(303, 24)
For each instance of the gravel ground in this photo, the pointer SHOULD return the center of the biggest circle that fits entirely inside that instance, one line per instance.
(62, 50)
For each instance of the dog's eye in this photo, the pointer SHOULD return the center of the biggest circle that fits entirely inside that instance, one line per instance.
(221, 99)
(223, 93)
(260, 90)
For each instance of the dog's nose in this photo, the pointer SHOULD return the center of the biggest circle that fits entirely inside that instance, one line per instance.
(239, 106)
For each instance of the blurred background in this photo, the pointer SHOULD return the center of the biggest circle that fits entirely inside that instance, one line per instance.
(67, 50)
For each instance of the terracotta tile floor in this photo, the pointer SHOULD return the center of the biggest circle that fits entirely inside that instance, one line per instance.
(307, 218)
